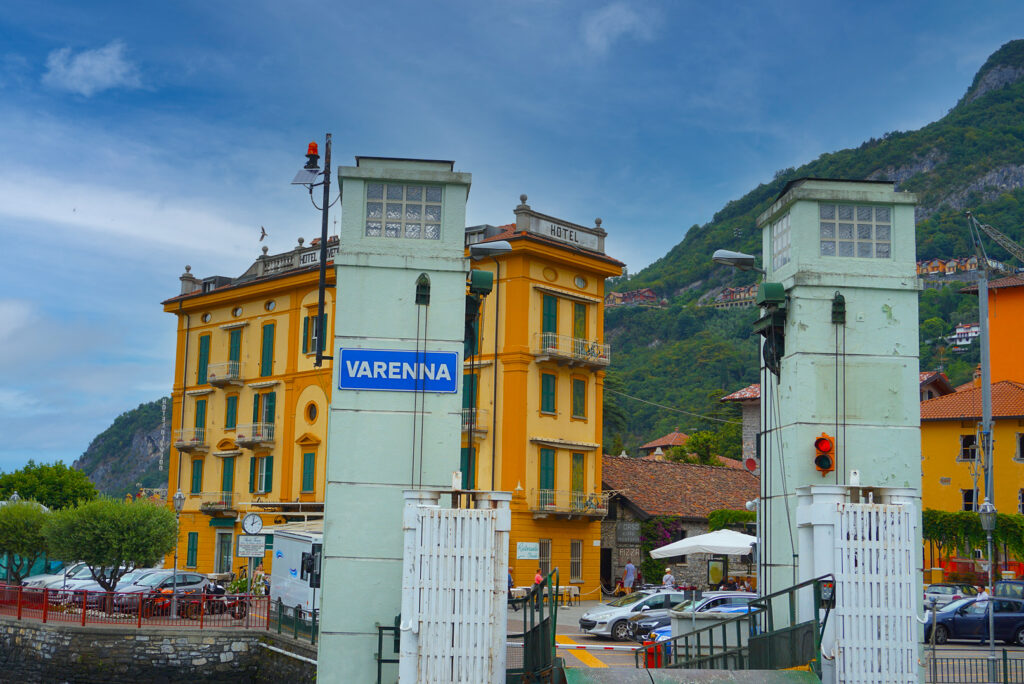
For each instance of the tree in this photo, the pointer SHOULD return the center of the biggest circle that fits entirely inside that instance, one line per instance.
(112, 536)
(700, 448)
(53, 485)
(21, 537)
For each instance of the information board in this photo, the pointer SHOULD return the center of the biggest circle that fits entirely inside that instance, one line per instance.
(251, 545)
(528, 550)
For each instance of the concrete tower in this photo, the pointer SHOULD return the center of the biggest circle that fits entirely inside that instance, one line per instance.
(395, 406)
(843, 253)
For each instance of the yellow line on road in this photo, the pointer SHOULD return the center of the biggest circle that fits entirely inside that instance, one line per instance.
(585, 657)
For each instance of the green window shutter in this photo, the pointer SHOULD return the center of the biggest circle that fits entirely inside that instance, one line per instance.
(197, 476)
(467, 465)
(256, 408)
(305, 334)
(200, 414)
(235, 345)
(231, 417)
(268, 541)
(269, 403)
(268, 478)
(579, 398)
(308, 471)
(267, 358)
(547, 393)
(227, 478)
(252, 474)
(547, 468)
(469, 391)
(204, 359)
(193, 550)
(579, 320)
(549, 322)
(577, 472)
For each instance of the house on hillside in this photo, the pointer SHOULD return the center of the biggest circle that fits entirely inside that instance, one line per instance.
(934, 384)
(677, 497)
(666, 442)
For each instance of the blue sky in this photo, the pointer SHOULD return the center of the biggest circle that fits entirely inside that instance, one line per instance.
(136, 138)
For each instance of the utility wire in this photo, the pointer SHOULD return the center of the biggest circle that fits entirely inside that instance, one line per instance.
(671, 408)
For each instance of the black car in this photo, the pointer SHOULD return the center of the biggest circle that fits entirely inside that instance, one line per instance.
(640, 626)
(967, 619)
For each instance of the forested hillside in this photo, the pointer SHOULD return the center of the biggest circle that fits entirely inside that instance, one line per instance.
(126, 455)
(686, 356)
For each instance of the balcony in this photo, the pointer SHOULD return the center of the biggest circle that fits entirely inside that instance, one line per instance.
(568, 503)
(224, 373)
(191, 440)
(216, 502)
(255, 435)
(573, 351)
(479, 418)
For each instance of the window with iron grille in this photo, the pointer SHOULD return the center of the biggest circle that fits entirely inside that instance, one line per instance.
(576, 560)
(968, 448)
(846, 230)
(396, 210)
(544, 557)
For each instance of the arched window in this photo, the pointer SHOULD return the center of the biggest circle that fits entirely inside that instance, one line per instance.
(423, 290)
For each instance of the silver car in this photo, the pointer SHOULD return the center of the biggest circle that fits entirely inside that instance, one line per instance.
(612, 619)
(947, 592)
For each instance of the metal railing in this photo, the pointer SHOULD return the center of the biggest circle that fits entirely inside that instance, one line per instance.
(188, 439)
(957, 670)
(294, 622)
(254, 433)
(531, 653)
(576, 349)
(478, 417)
(196, 610)
(217, 501)
(223, 372)
(569, 502)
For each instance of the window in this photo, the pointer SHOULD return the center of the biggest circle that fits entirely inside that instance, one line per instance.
(576, 560)
(227, 475)
(235, 346)
(467, 465)
(579, 320)
(544, 557)
(394, 210)
(204, 359)
(1019, 441)
(193, 550)
(261, 474)
(230, 412)
(263, 407)
(967, 498)
(1020, 501)
(200, 423)
(308, 471)
(423, 290)
(680, 560)
(267, 354)
(780, 242)
(311, 412)
(197, 476)
(547, 393)
(846, 230)
(311, 333)
(579, 398)
(270, 305)
(968, 448)
(549, 318)
(547, 477)
(579, 481)
(224, 552)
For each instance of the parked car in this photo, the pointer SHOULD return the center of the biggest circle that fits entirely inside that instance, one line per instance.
(154, 582)
(712, 602)
(943, 593)
(97, 593)
(967, 619)
(58, 577)
(612, 619)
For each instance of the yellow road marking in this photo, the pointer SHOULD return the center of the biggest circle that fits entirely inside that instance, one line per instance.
(585, 657)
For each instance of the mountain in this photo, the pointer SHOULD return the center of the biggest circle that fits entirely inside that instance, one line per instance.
(127, 455)
(686, 356)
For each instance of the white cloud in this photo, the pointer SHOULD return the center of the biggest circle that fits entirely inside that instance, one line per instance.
(608, 24)
(91, 71)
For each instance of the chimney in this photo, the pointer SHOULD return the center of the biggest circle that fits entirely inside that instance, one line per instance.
(189, 283)
(658, 454)
(977, 376)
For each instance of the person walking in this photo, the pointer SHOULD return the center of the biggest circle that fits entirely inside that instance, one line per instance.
(538, 578)
(629, 577)
(669, 579)
(514, 606)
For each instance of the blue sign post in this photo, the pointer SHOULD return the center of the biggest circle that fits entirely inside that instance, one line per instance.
(397, 370)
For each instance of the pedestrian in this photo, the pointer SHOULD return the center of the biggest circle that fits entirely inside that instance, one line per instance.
(510, 600)
(538, 578)
(629, 577)
(669, 579)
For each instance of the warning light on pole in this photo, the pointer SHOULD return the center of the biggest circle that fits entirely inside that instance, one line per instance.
(825, 454)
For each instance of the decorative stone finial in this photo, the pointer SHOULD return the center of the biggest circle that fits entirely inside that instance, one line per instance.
(522, 199)
(597, 222)
(188, 269)
(301, 241)
(265, 250)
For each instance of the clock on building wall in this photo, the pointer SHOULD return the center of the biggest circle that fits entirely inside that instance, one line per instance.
(252, 523)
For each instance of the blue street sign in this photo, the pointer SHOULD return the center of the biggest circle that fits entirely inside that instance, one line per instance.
(396, 370)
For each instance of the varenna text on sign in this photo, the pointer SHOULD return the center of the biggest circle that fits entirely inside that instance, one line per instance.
(397, 370)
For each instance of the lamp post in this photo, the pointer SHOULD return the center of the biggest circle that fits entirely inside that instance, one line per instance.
(987, 513)
(179, 504)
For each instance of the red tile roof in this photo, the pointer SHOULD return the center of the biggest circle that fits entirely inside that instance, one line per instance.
(672, 439)
(1009, 281)
(940, 380)
(680, 489)
(1007, 402)
(746, 394)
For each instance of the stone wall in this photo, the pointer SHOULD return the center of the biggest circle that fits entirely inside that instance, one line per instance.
(36, 652)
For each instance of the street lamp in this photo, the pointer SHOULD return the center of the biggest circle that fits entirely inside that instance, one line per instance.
(987, 513)
(179, 504)
(738, 260)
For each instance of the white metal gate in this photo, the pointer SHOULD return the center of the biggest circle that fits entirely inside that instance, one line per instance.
(454, 591)
(875, 618)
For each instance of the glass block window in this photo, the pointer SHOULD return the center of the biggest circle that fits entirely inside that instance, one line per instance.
(848, 230)
(396, 210)
(780, 242)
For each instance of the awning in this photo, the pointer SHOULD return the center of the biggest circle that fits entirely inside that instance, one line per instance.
(725, 542)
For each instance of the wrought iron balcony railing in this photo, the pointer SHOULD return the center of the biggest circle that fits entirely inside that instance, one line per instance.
(224, 373)
(478, 417)
(568, 502)
(215, 502)
(254, 435)
(572, 350)
(189, 440)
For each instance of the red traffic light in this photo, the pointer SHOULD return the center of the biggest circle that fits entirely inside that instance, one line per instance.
(825, 454)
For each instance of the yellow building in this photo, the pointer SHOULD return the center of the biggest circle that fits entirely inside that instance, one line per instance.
(537, 431)
(249, 407)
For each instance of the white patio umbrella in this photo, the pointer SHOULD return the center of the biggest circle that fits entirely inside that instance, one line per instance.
(725, 542)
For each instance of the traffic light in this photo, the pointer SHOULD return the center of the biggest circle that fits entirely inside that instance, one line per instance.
(825, 454)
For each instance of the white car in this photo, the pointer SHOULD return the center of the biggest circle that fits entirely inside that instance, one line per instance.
(48, 579)
(612, 619)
